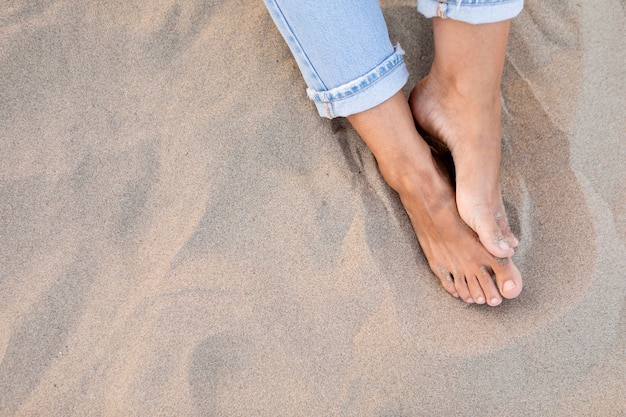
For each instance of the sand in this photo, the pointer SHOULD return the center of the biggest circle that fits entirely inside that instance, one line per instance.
(182, 235)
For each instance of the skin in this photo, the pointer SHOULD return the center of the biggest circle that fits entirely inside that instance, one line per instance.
(464, 235)
(458, 102)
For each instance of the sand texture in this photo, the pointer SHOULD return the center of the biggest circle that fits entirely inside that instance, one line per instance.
(182, 235)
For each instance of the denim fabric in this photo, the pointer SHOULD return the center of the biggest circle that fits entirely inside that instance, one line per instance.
(367, 91)
(343, 50)
(471, 11)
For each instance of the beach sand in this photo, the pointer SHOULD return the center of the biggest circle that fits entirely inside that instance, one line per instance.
(182, 235)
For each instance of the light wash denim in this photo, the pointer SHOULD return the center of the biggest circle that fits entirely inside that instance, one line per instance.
(471, 11)
(343, 50)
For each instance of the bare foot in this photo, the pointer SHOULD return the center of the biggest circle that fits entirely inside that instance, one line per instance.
(459, 104)
(463, 265)
(471, 128)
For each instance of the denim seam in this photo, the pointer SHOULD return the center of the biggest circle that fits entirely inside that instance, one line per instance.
(471, 11)
(362, 89)
(300, 47)
(465, 3)
(317, 95)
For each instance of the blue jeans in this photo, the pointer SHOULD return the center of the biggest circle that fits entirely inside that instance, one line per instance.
(343, 50)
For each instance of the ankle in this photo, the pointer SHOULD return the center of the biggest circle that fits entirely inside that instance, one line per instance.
(407, 175)
(463, 87)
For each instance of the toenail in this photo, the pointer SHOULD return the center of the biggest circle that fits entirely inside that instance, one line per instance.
(508, 286)
(504, 246)
(480, 300)
(495, 301)
(470, 301)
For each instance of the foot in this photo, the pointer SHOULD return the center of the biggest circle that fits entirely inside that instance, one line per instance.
(470, 126)
(462, 264)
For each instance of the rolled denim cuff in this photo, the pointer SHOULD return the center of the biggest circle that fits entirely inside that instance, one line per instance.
(367, 91)
(471, 11)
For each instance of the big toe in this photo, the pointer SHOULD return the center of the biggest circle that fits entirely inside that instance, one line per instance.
(496, 242)
(508, 278)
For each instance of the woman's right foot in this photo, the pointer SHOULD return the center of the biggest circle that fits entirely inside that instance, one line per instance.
(459, 104)
(462, 264)
(472, 132)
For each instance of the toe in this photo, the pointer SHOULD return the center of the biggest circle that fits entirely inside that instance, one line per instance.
(508, 278)
(505, 231)
(492, 295)
(512, 240)
(492, 239)
(475, 290)
(492, 228)
(461, 288)
(447, 281)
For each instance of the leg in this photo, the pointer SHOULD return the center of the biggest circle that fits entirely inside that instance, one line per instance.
(459, 103)
(462, 264)
(354, 62)
(343, 51)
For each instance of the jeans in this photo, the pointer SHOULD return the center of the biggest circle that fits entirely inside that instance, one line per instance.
(343, 50)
